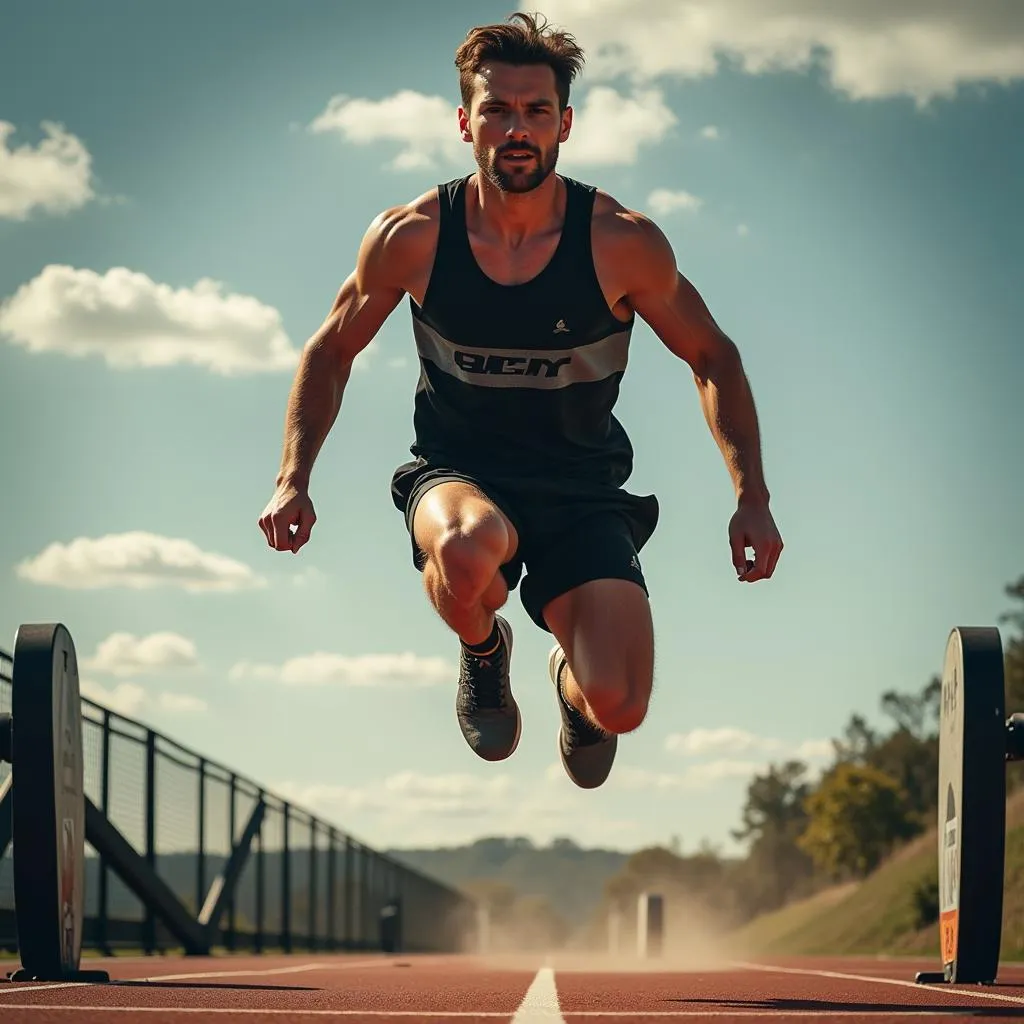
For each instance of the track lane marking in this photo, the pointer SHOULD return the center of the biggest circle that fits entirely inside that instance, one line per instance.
(808, 972)
(541, 1000)
(886, 1014)
(20, 987)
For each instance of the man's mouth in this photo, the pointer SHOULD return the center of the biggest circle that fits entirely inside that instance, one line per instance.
(518, 155)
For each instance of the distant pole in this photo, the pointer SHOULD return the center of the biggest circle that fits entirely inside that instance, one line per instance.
(650, 925)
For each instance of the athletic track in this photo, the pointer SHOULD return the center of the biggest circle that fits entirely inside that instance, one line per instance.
(510, 990)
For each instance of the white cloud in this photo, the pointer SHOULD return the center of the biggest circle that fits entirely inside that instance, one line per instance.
(918, 48)
(700, 776)
(126, 699)
(663, 201)
(710, 132)
(132, 700)
(426, 127)
(322, 669)
(730, 740)
(54, 177)
(122, 654)
(182, 703)
(139, 561)
(742, 230)
(608, 128)
(132, 321)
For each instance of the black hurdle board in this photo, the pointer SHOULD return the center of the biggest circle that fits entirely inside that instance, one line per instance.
(972, 805)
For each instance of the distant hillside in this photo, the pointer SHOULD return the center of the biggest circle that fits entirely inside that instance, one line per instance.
(571, 878)
(893, 911)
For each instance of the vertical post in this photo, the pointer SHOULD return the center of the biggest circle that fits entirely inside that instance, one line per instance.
(286, 885)
(201, 838)
(232, 811)
(259, 879)
(348, 883)
(149, 937)
(331, 888)
(311, 915)
(103, 897)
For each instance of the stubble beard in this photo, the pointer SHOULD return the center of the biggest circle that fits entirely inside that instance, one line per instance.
(517, 182)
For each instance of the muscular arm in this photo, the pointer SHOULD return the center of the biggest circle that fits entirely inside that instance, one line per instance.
(364, 302)
(674, 310)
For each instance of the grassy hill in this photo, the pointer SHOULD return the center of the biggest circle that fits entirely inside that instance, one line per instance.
(893, 911)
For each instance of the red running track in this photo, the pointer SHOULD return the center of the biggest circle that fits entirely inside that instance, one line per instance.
(509, 990)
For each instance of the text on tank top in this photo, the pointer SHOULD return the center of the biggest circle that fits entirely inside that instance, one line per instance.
(520, 380)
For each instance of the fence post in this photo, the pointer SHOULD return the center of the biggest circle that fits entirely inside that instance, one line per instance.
(201, 838)
(232, 826)
(149, 939)
(331, 888)
(286, 884)
(259, 879)
(103, 897)
(311, 887)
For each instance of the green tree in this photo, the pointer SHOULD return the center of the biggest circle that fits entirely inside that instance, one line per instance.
(776, 869)
(856, 815)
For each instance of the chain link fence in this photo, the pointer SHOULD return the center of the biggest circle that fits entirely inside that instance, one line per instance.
(305, 885)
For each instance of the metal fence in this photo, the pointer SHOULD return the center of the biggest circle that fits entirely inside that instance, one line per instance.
(305, 885)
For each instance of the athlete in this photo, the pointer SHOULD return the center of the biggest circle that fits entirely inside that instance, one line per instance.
(523, 287)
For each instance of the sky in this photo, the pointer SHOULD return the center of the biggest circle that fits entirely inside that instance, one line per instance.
(182, 191)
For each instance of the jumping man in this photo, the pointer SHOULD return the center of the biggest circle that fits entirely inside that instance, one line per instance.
(523, 289)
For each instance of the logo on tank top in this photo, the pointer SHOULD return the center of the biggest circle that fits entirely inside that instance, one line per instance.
(560, 328)
(502, 365)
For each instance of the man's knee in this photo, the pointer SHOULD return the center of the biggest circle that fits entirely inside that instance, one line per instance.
(619, 701)
(466, 546)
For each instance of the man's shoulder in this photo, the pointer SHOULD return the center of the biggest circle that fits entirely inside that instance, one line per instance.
(616, 223)
(409, 223)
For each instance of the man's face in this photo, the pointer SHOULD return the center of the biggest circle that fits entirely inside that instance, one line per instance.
(515, 125)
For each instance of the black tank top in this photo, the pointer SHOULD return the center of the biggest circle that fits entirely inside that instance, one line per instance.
(519, 382)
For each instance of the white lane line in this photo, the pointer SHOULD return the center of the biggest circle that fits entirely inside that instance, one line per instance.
(503, 1014)
(262, 972)
(541, 1001)
(20, 987)
(958, 991)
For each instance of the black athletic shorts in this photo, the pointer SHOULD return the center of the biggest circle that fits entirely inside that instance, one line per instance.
(570, 531)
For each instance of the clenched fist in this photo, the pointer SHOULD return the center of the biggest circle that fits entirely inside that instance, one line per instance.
(289, 508)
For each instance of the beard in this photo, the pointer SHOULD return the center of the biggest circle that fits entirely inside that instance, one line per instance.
(513, 178)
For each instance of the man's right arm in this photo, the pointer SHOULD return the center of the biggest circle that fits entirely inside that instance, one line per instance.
(364, 302)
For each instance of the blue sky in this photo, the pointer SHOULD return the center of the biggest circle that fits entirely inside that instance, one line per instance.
(182, 191)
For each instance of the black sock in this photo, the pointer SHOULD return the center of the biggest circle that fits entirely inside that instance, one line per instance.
(488, 646)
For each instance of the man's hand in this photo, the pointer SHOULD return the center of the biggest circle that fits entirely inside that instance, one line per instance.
(290, 506)
(753, 526)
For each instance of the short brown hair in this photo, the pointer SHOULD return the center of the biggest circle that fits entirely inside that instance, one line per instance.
(524, 40)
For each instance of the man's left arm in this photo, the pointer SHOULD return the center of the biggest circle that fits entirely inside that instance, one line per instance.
(677, 314)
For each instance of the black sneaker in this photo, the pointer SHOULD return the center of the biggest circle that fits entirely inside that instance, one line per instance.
(587, 752)
(487, 712)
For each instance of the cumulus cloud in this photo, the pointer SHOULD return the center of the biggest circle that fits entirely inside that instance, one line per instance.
(730, 740)
(122, 654)
(53, 177)
(609, 127)
(695, 777)
(131, 700)
(132, 321)
(138, 561)
(322, 668)
(710, 132)
(868, 50)
(126, 699)
(663, 201)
